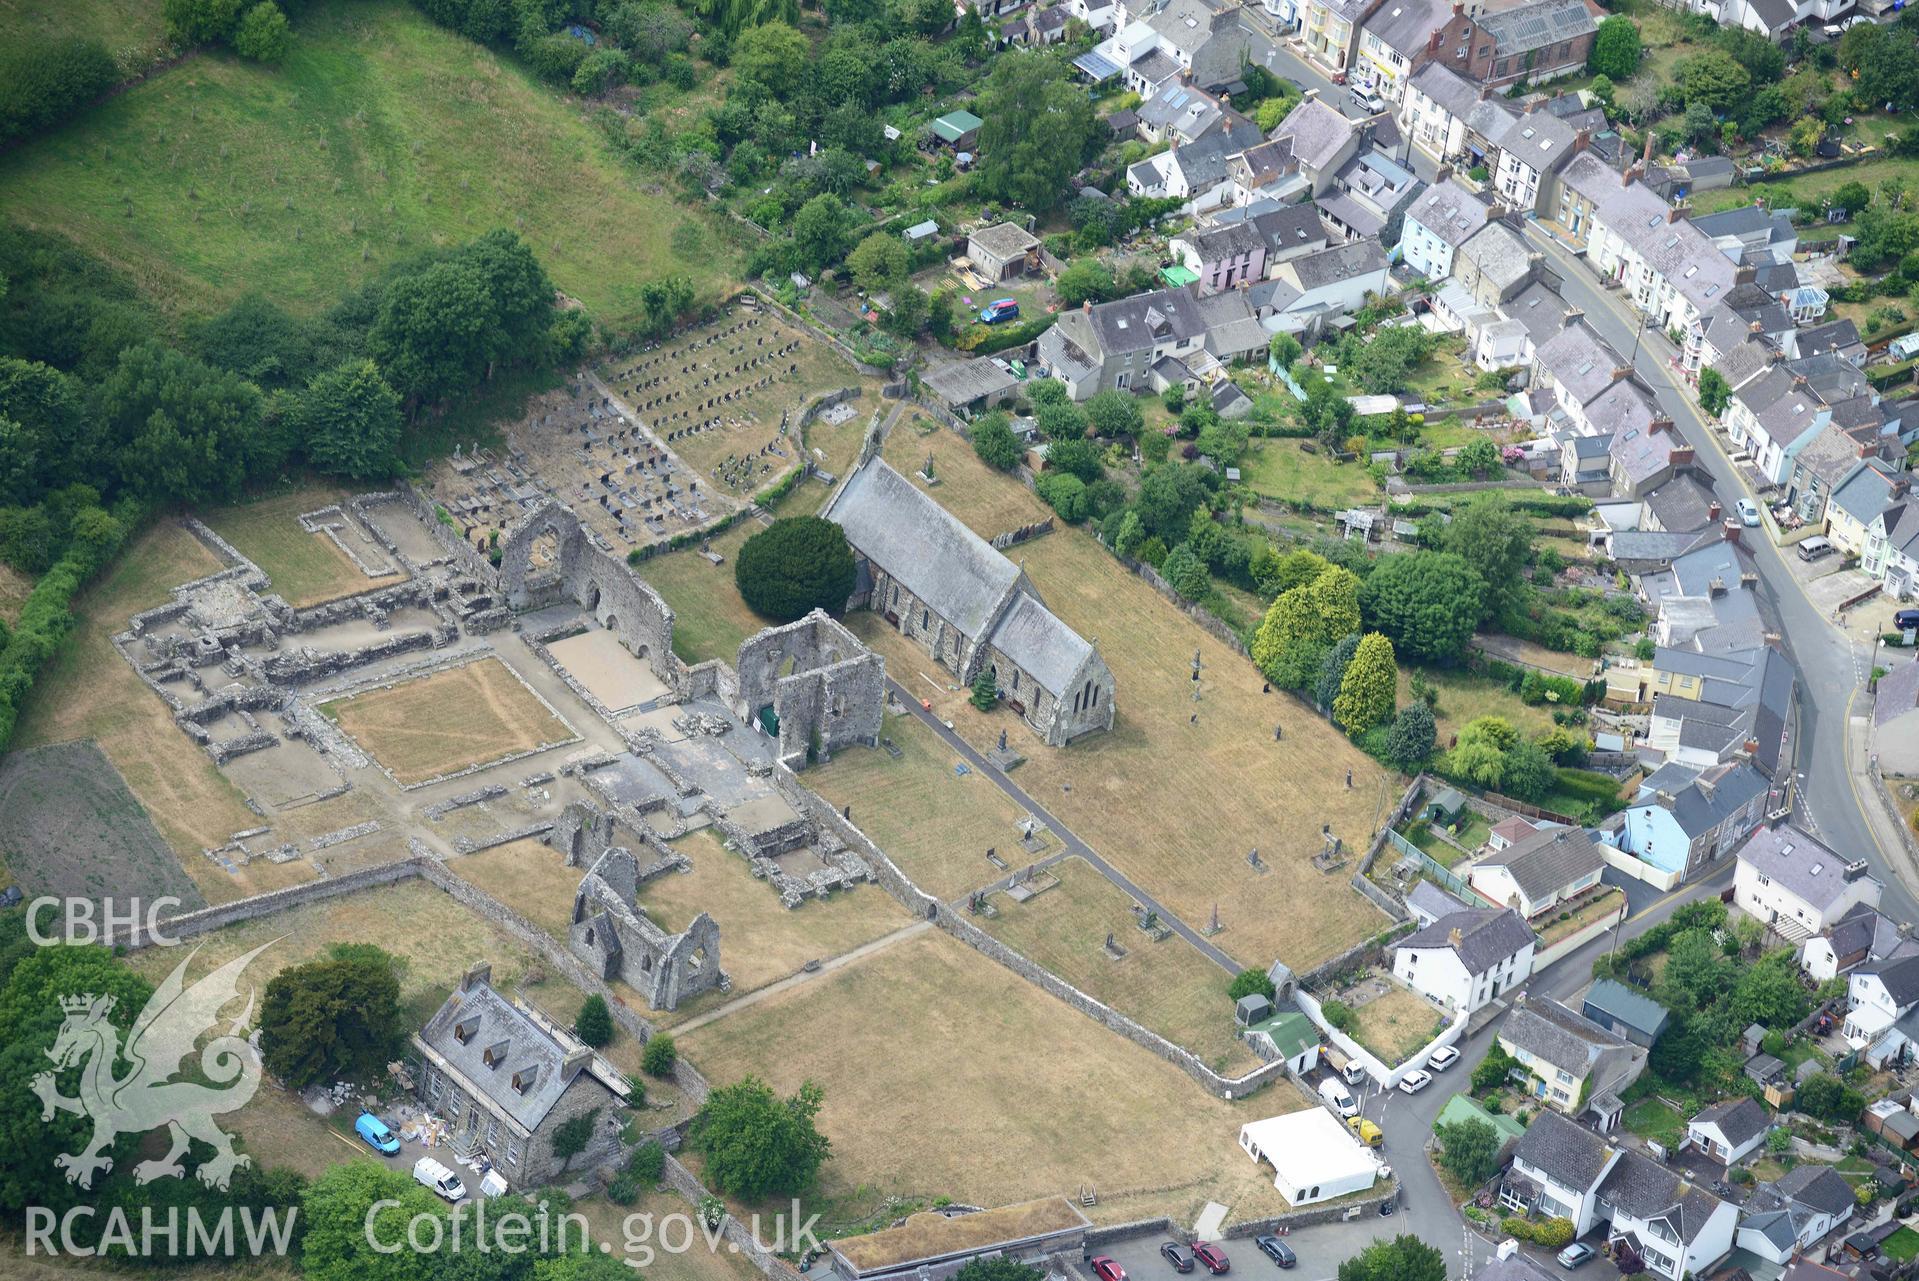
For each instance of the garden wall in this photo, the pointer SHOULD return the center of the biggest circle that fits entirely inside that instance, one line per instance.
(1387, 1077)
(1573, 942)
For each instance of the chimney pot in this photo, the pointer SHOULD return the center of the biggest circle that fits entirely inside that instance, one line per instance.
(1674, 213)
(1713, 511)
(1730, 531)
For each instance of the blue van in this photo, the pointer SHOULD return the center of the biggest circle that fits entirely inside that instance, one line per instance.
(1002, 309)
(375, 1132)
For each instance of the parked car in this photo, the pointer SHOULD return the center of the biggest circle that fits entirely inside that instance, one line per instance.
(1368, 101)
(1904, 618)
(1442, 1058)
(1814, 548)
(1212, 1257)
(1107, 1268)
(1368, 1133)
(446, 1184)
(1276, 1250)
(1415, 1082)
(1178, 1255)
(1834, 30)
(1336, 1094)
(1748, 512)
(377, 1135)
(1575, 1254)
(999, 309)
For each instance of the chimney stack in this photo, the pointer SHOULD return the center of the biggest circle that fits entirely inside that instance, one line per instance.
(1645, 160)
(476, 975)
(1680, 455)
(1582, 138)
(575, 1060)
(1730, 531)
(1660, 424)
(1674, 213)
(1713, 511)
(1621, 371)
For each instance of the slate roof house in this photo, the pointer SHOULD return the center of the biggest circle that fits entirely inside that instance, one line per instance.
(1685, 818)
(1863, 935)
(1115, 345)
(1625, 1012)
(1539, 872)
(1331, 282)
(1468, 958)
(1319, 140)
(1728, 1131)
(1557, 1170)
(1428, 902)
(1672, 1228)
(1494, 264)
(945, 588)
(1796, 1211)
(1796, 884)
(1228, 254)
(1574, 1065)
(506, 1079)
(1369, 197)
(1437, 223)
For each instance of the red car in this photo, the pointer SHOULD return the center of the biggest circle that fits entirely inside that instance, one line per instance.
(1107, 1268)
(1211, 1257)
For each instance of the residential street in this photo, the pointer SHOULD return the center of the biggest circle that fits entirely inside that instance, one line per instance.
(1830, 666)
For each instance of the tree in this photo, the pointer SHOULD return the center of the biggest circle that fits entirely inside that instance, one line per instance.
(878, 262)
(1305, 621)
(263, 34)
(1853, 197)
(985, 690)
(594, 1023)
(1367, 691)
(348, 422)
(1115, 415)
(1480, 754)
(1492, 1071)
(1060, 419)
(1615, 49)
(603, 69)
(1251, 982)
(1529, 772)
(660, 1055)
(1882, 64)
(446, 321)
(757, 1144)
(1332, 670)
(1038, 125)
(572, 1135)
(1497, 542)
(820, 230)
(1384, 361)
(1713, 78)
(1769, 992)
(1065, 493)
(43, 81)
(794, 566)
(1404, 1258)
(1479, 459)
(772, 56)
(1409, 744)
(334, 1018)
(995, 443)
(1829, 1099)
(1426, 603)
(201, 21)
(343, 1229)
(1697, 971)
(1168, 497)
(180, 430)
(1186, 573)
(1085, 279)
(1284, 349)
(1764, 61)
(1469, 1149)
(1715, 393)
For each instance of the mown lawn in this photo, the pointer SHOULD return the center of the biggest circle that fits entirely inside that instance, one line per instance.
(1651, 1119)
(1278, 468)
(380, 136)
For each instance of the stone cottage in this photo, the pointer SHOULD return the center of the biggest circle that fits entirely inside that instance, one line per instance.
(505, 1079)
(965, 604)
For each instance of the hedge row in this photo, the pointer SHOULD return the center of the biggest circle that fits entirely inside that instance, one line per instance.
(46, 618)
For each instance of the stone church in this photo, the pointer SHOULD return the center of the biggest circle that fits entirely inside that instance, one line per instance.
(960, 600)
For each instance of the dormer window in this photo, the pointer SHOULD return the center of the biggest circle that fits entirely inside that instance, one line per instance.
(464, 1029)
(495, 1054)
(524, 1078)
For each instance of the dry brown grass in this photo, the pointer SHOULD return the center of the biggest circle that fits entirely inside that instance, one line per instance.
(937, 825)
(760, 941)
(1395, 1024)
(529, 876)
(433, 726)
(14, 587)
(633, 1233)
(1006, 1093)
(1167, 986)
(89, 691)
(986, 500)
(926, 1233)
(1174, 804)
(305, 568)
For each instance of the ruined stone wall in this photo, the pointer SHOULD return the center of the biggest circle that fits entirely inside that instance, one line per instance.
(833, 695)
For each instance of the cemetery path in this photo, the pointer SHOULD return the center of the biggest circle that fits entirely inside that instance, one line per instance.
(827, 966)
(1074, 845)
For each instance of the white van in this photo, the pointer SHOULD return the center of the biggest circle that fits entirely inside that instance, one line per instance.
(443, 1181)
(1336, 1094)
(1814, 548)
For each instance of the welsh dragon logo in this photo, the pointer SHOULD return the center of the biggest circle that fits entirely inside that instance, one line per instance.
(146, 1098)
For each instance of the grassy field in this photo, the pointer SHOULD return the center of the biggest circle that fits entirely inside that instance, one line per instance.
(1464, 696)
(132, 30)
(1167, 986)
(1279, 468)
(709, 618)
(305, 568)
(1395, 1024)
(1175, 804)
(528, 876)
(1651, 1119)
(88, 691)
(937, 825)
(760, 941)
(380, 136)
(1012, 1094)
(432, 726)
(1809, 190)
